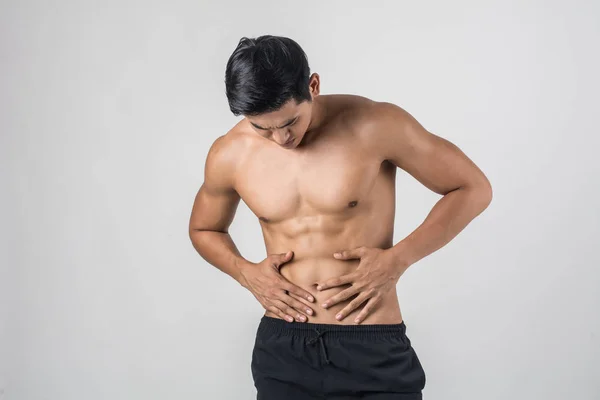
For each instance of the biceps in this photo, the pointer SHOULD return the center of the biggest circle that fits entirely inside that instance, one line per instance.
(213, 210)
(436, 162)
(440, 165)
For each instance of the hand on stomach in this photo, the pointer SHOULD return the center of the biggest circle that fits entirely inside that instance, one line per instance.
(308, 273)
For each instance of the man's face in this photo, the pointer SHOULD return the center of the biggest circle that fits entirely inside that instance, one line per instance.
(286, 126)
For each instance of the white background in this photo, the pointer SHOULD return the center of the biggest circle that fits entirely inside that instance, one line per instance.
(107, 111)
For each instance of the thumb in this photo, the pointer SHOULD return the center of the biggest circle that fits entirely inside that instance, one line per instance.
(282, 258)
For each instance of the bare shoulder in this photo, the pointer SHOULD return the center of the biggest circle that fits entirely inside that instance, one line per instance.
(379, 117)
(351, 108)
(391, 132)
(224, 156)
(368, 116)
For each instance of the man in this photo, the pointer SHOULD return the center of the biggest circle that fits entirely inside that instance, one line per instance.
(318, 171)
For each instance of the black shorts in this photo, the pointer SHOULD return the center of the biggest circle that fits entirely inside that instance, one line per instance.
(302, 360)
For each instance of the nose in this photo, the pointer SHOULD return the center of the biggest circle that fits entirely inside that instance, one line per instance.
(282, 137)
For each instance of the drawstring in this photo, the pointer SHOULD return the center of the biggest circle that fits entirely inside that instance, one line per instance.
(318, 337)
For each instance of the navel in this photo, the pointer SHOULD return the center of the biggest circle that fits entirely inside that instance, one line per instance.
(353, 203)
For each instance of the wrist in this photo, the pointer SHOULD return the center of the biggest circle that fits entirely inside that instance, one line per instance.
(241, 264)
(400, 257)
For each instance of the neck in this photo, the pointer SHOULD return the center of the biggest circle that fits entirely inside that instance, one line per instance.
(319, 114)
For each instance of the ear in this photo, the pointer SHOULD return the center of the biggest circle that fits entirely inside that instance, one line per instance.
(314, 84)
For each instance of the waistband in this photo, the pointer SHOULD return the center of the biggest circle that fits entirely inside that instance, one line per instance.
(270, 325)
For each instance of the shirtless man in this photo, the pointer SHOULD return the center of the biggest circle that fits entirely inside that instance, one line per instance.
(318, 171)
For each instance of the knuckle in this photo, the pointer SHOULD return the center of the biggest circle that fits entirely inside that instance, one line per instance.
(275, 281)
(286, 286)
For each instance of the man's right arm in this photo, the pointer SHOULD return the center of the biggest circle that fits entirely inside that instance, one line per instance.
(212, 213)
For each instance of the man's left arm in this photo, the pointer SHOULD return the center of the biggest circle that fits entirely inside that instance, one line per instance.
(438, 164)
(443, 168)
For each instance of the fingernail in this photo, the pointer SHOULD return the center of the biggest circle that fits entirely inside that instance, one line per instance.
(290, 319)
(324, 305)
(356, 320)
(310, 298)
(308, 310)
(319, 287)
(302, 318)
(336, 254)
(338, 316)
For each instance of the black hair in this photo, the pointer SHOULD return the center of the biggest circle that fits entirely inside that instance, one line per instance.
(264, 73)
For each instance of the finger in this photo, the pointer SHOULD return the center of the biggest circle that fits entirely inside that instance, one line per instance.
(350, 254)
(298, 305)
(309, 310)
(278, 259)
(361, 298)
(280, 307)
(337, 281)
(291, 288)
(295, 308)
(341, 296)
(278, 312)
(289, 312)
(371, 304)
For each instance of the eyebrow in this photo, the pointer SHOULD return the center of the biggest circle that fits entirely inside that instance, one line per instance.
(290, 121)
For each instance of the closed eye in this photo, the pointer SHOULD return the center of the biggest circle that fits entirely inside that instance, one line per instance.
(283, 126)
(290, 123)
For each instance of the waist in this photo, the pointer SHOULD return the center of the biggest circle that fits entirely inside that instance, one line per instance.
(270, 325)
(306, 274)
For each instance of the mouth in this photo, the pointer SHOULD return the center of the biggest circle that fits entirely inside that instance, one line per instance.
(289, 143)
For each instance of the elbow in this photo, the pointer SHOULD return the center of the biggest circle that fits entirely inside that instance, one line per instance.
(192, 230)
(479, 194)
(195, 231)
(193, 235)
(484, 194)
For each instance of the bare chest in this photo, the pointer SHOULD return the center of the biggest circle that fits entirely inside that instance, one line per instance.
(279, 185)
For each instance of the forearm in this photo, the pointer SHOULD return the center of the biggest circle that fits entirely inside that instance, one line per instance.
(219, 250)
(450, 215)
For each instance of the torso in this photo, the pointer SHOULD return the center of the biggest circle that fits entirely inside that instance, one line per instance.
(332, 194)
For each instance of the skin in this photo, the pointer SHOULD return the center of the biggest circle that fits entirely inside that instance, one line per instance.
(331, 191)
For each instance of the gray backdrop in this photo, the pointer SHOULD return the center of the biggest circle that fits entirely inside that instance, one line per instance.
(107, 111)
